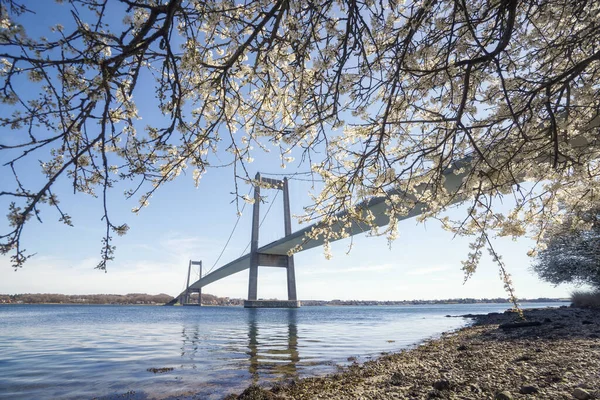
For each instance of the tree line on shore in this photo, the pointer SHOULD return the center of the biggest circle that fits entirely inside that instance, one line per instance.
(418, 302)
(47, 298)
(130, 298)
(209, 299)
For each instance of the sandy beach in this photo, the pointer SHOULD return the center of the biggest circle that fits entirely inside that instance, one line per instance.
(552, 354)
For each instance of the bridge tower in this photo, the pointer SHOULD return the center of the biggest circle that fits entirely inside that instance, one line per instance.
(270, 260)
(185, 300)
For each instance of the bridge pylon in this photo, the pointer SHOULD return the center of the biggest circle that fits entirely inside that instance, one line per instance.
(185, 299)
(270, 260)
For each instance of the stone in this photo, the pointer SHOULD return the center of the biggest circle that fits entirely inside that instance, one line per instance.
(505, 395)
(396, 379)
(441, 385)
(524, 357)
(581, 394)
(160, 370)
(474, 388)
(255, 392)
(528, 389)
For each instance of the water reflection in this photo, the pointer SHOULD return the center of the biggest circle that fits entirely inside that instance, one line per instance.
(78, 352)
(264, 343)
(273, 347)
(190, 344)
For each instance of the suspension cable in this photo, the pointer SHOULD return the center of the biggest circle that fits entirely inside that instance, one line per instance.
(183, 289)
(259, 225)
(230, 235)
(263, 219)
(305, 179)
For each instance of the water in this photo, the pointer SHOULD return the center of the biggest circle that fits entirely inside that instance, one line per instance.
(79, 352)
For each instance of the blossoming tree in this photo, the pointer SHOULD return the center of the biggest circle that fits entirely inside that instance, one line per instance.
(380, 98)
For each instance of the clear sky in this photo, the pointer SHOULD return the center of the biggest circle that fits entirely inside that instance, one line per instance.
(183, 223)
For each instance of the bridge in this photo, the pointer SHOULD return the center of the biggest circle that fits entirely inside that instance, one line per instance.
(276, 254)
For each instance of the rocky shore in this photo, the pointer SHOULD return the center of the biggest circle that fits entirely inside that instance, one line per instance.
(550, 354)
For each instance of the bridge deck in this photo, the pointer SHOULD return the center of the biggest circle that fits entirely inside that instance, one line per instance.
(282, 246)
(452, 183)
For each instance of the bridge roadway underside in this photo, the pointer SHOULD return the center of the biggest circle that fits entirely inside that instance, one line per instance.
(273, 253)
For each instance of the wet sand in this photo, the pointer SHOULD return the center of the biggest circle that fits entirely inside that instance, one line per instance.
(552, 354)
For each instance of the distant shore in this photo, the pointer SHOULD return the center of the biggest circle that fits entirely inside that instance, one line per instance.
(553, 354)
(212, 300)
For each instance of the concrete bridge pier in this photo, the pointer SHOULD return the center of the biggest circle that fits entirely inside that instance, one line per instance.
(270, 260)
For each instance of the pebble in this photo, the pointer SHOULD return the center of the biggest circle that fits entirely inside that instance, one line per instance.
(503, 396)
(581, 394)
(528, 389)
(441, 385)
(396, 379)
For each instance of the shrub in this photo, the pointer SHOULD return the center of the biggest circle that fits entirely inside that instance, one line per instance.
(583, 299)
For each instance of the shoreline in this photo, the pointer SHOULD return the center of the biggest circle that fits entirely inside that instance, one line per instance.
(311, 303)
(554, 355)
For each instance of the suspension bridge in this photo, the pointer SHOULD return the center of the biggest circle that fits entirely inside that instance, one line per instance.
(276, 254)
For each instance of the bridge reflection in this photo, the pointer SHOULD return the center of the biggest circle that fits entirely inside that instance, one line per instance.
(273, 348)
(265, 345)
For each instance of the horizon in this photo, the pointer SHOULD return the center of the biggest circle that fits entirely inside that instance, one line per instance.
(333, 300)
(183, 224)
(424, 262)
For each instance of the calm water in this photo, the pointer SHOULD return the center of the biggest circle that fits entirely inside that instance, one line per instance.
(79, 352)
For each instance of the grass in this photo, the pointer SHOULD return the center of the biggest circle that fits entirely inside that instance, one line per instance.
(583, 299)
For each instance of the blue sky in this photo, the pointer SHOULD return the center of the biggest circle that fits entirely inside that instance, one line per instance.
(183, 223)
